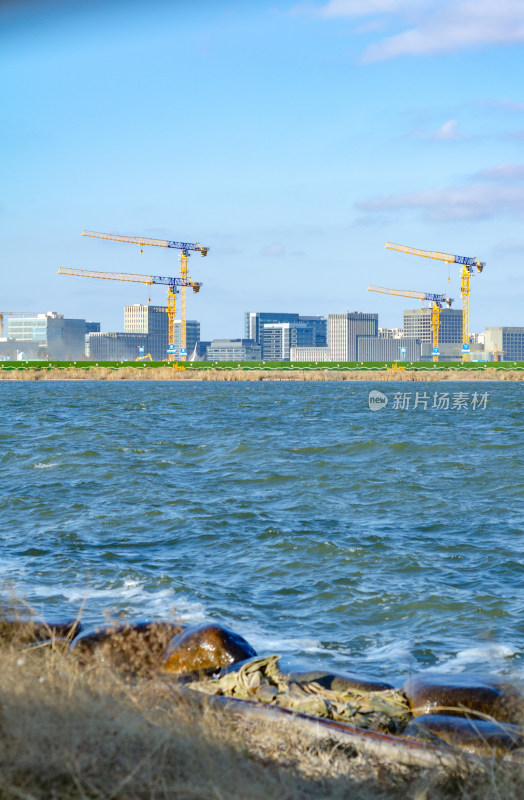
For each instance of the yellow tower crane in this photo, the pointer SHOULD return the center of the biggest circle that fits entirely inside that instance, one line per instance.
(437, 300)
(468, 265)
(171, 283)
(184, 248)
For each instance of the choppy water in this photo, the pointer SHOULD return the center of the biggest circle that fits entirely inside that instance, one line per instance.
(384, 542)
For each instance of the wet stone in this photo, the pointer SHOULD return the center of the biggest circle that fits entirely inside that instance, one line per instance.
(483, 737)
(340, 681)
(131, 647)
(463, 694)
(205, 647)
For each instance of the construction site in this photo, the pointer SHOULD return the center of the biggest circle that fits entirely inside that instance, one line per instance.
(436, 336)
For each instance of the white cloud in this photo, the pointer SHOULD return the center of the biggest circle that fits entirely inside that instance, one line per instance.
(505, 105)
(475, 202)
(363, 8)
(274, 250)
(503, 172)
(447, 131)
(458, 25)
(439, 27)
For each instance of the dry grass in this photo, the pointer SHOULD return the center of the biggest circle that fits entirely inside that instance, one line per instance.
(166, 373)
(71, 730)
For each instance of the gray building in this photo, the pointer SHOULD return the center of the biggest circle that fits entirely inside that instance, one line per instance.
(254, 320)
(233, 350)
(91, 327)
(146, 319)
(345, 331)
(390, 333)
(278, 338)
(313, 354)
(417, 325)
(51, 335)
(382, 349)
(506, 344)
(153, 321)
(118, 346)
(192, 336)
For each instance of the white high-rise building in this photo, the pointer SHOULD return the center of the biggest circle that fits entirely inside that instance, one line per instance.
(344, 331)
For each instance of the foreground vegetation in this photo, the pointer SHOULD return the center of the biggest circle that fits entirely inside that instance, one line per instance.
(85, 731)
(259, 371)
(267, 366)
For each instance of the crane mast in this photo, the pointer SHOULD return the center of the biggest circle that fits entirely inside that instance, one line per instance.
(173, 286)
(437, 301)
(468, 264)
(185, 249)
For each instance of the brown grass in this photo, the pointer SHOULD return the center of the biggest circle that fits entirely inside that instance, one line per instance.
(69, 730)
(166, 373)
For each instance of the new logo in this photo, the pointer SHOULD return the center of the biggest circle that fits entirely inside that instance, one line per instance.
(377, 400)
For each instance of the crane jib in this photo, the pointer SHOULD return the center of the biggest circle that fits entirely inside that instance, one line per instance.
(184, 246)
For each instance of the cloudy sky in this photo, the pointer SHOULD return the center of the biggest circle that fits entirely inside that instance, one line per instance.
(292, 138)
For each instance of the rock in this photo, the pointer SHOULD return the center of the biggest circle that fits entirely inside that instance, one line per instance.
(133, 647)
(28, 631)
(456, 695)
(483, 737)
(340, 681)
(205, 647)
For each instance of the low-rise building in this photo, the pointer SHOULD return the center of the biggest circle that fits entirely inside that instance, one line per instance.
(233, 350)
(505, 343)
(48, 335)
(313, 354)
(376, 349)
(118, 346)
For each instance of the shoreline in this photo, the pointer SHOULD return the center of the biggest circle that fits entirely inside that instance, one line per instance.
(167, 373)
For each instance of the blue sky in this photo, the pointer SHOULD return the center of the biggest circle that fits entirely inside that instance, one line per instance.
(292, 139)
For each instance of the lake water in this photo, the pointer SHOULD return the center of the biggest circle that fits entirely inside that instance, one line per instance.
(382, 542)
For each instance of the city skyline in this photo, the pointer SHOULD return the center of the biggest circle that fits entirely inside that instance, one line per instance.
(292, 139)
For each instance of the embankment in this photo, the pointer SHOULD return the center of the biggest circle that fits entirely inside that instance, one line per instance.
(169, 374)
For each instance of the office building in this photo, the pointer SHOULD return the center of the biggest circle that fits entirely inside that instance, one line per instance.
(233, 350)
(154, 322)
(417, 325)
(146, 319)
(504, 343)
(48, 335)
(301, 331)
(192, 336)
(91, 327)
(278, 338)
(118, 346)
(390, 333)
(313, 354)
(254, 320)
(388, 349)
(346, 329)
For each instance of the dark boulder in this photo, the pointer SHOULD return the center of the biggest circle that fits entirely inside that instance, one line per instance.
(133, 647)
(204, 648)
(340, 681)
(473, 735)
(462, 695)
